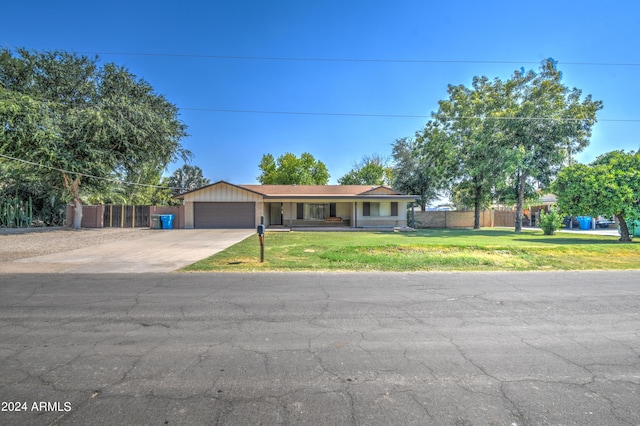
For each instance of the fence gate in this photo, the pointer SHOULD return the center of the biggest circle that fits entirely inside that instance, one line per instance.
(506, 218)
(121, 216)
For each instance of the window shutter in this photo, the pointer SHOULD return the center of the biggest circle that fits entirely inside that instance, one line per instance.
(366, 209)
(332, 210)
(300, 211)
(394, 208)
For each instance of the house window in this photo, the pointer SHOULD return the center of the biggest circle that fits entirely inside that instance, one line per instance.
(316, 211)
(382, 209)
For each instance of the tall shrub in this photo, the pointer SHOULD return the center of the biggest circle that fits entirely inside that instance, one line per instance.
(551, 222)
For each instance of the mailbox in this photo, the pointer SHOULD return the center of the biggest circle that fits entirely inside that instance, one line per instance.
(260, 229)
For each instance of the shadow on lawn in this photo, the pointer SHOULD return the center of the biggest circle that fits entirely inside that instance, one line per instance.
(526, 236)
(576, 241)
(458, 233)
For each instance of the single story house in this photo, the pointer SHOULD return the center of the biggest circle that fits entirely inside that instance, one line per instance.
(225, 205)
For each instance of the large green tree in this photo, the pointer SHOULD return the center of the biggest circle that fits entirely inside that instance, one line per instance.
(80, 119)
(512, 136)
(541, 122)
(288, 169)
(371, 170)
(420, 164)
(478, 158)
(608, 186)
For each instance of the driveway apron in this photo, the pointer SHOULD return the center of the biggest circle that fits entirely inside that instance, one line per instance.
(160, 251)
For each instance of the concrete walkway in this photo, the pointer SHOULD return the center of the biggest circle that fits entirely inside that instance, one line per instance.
(160, 251)
(599, 231)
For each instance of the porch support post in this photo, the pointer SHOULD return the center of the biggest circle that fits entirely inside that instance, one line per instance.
(413, 215)
(290, 214)
(355, 215)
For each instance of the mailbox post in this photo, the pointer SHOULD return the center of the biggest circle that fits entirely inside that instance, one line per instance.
(260, 231)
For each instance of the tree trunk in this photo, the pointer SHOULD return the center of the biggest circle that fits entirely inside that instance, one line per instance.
(77, 213)
(624, 229)
(476, 208)
(520, 204)
(73, 186)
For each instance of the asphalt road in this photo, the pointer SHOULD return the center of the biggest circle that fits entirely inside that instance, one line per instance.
(321, 349)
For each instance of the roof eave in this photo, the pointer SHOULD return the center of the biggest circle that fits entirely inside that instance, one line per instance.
(341, 196)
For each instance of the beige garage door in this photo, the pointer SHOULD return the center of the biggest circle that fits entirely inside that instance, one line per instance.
(224, 215)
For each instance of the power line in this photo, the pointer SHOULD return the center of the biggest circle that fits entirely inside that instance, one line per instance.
(342, 114)
(90, 176)
(356, 60)
(346, 114)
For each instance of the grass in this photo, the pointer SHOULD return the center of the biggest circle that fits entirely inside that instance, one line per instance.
(425, 250)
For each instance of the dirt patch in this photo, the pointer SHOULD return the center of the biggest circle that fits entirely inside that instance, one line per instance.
(24, 243)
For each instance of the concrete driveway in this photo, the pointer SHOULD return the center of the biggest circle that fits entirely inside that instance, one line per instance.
(160, 251)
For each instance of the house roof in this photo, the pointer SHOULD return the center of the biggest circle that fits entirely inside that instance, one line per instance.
(314, 191)
(322, 190)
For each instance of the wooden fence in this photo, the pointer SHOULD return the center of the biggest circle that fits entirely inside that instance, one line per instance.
(504, 218)
(464, 219)
(122, 216)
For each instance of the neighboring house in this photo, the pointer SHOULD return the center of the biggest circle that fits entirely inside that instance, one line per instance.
(225, 205)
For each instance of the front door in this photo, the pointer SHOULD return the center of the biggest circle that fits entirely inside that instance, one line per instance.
(275, 216)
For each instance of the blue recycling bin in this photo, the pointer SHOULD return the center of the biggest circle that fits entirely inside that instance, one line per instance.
(585, 222)
(167, 221)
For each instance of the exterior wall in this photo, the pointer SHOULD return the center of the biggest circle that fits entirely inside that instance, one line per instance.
(364, 221)
(260, 211)
(188, 214)
(452, 219)
(344, 210)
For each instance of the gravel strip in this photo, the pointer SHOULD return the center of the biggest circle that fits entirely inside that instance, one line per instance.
(24, 243)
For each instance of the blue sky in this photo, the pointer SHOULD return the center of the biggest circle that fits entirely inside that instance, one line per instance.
(174, 45)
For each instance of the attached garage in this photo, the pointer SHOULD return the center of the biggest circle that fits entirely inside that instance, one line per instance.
(224, 215)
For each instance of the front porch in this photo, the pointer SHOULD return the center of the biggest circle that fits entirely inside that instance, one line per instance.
(303, 223)
(308, 214)
(334, 213)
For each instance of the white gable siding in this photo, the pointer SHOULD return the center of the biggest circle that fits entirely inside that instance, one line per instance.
(381, 191)
(223, 192)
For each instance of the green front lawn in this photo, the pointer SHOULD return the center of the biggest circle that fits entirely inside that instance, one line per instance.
(425, 250)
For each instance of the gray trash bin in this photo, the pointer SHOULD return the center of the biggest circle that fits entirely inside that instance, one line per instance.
(156, 223)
